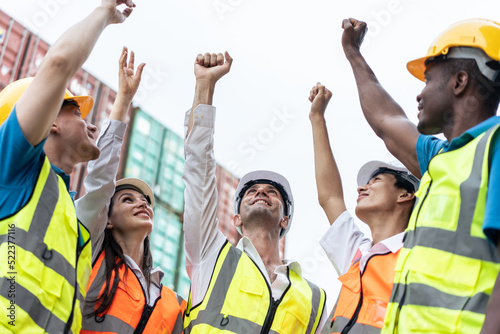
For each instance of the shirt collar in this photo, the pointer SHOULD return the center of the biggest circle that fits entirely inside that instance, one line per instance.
(66, 178)
(395, 242)
(392, 244)
(471, 133)
(246, 245)
(155, 276)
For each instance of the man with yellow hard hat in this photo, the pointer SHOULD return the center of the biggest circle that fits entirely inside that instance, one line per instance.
(446, 274)
(43, 135)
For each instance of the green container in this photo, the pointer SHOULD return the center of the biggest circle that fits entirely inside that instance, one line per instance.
(156, 155)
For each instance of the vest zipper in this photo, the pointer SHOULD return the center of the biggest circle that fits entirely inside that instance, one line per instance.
(146, 313)
(148, 310)
(354, 317)
(271, 312)
(270, 315)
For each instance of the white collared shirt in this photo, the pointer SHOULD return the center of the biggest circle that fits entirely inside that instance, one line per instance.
(155, 280)
(344, 238)
(203, 239)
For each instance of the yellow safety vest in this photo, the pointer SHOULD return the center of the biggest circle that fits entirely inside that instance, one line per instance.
(44, 273)
(239, 300)
(447, 268)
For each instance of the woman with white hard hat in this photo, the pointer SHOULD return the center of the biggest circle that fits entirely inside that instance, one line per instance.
(124, 294)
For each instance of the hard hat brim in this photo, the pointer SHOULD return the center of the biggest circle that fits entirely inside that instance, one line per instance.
(140, 184)
(84, 102)
(417, 68)
(366, 172)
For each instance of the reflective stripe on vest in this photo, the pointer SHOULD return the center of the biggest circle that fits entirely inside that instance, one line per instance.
(47, 278)
(447, 268)
(129, 311)
(363, 297)
(238, 300)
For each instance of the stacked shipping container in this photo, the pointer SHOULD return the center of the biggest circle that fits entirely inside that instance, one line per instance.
(155, 155)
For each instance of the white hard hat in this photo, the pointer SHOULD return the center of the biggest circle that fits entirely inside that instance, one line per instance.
(374, 167)
(275, 179)
(137, 185)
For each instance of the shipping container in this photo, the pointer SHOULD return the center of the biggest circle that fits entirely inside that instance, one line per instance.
(155, 155)
(14, 40)
(35, 52)
(167, 244)
(226, 187)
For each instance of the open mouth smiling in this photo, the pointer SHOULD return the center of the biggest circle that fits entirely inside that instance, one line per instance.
(142, 213)
(261, 200)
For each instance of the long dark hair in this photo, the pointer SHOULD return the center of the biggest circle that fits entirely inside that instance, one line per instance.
(114, 259)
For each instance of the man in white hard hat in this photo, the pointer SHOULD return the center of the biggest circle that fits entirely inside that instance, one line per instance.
(45, 284)
(365, 265)
(247, 288)
(456, 221)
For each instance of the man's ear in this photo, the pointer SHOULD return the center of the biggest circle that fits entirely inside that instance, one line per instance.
(284, 222)
(55, 129)
(405, 196)
(109, 225)
(237, 221)
(461, 81)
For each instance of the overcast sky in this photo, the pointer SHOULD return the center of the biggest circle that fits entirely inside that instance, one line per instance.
(281, 48)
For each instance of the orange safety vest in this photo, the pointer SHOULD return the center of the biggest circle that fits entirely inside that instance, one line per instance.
(363, 299)
(129, 312)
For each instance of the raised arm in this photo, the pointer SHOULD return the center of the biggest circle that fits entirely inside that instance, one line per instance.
(328, 182)
(128, 84)
(41, 103)
(384, 115)
(208, 69)
(92, 208)
(202, 236)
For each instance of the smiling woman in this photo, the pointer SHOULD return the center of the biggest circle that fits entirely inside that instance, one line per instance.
(125, 293)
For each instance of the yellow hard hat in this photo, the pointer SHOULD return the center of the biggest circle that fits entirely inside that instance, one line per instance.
(476, 33)
(13, 92)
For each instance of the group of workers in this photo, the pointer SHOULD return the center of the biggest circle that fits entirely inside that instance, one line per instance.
(431, 265)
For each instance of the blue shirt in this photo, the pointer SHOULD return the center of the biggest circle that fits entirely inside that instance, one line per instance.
(20, 164)
(429, 146)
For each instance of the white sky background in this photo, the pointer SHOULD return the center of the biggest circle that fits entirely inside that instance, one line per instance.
(281, 48)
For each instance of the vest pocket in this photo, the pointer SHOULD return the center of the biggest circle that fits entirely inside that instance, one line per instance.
(375, 312)
(441, 210)
(50, 283)
(247, 301)
(126, 303)
(349, 294)
(292, 323)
